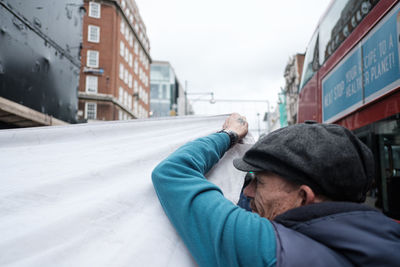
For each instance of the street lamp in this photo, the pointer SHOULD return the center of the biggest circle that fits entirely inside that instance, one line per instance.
(212, 100)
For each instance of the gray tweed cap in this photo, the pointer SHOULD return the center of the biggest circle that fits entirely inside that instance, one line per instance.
(327, 157)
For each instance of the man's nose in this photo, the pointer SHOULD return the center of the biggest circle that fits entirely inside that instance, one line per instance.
(250, 189)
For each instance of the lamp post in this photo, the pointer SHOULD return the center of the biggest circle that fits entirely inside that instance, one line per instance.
(212, 100)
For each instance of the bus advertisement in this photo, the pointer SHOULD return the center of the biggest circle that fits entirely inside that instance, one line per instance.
(351, 77)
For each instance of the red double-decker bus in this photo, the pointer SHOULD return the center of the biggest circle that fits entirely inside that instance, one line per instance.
(351, 77)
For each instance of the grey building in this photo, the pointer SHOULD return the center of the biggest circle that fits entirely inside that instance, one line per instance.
(290, 92)
(167, 95)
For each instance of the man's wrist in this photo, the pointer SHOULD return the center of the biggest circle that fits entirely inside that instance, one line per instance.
(233, 137)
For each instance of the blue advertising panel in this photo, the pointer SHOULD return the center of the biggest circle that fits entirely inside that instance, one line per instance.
(343, 87)
(381, 57)
(369, 71)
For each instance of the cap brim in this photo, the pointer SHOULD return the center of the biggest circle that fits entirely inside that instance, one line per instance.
(241, 165)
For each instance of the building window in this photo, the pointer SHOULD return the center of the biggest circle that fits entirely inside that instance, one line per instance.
(130, 60)
(131, 39)
(136, 47)
(154, 91)
(125, 98)
(164, 92)
(94, 34)
(126, 54)
(92, 58)
(135, 87)
(127, 33)
(126, 76)
(123, 3)
(136, 66)
(122, 26)
(130, 80)
(91, 84)
(94, 10)
(121, 48)
(121, 71)
(91, 111)
(120, 94)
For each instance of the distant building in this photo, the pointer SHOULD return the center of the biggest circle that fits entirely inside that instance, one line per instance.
(292, 76)
(273, 119)
(115, 73)
(167, 93)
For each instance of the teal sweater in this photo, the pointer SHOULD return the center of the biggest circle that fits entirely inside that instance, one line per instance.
(216, 232)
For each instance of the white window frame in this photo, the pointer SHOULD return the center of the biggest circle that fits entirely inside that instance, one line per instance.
(131, 39)
(126, 98)
(89, 55)
(126, 33)
(130, 60)
(93, 7)
(126, 76)
(122, 26)
(93, 31)
(136, 66)
(120, 94)
(135, 86)
(130, 80)
(121, 71)
(92, 84)
(126, 54)
(121, 48)
(136, 47)
(87, 109)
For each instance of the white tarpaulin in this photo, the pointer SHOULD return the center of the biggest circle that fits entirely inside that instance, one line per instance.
(81, 195)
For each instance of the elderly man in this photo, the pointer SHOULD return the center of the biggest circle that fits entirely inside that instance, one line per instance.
(309, 182)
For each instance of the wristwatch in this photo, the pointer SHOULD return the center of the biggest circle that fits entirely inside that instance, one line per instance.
(234, 137)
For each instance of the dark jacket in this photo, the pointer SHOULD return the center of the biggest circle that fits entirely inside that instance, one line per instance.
(336, 234)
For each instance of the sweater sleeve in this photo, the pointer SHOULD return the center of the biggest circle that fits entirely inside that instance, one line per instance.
(216, 232)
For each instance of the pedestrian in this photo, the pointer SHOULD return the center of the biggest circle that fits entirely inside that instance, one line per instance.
(309, 182)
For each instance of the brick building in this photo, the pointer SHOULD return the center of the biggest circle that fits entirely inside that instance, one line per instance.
(115, 62)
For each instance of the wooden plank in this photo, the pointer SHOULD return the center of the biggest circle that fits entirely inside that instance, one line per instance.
(25, 113)
(27, 123)
(10, 118)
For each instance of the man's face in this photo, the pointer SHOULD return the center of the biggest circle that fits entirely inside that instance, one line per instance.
(271, 195)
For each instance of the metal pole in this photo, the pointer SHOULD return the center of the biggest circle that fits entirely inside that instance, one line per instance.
(186, 99)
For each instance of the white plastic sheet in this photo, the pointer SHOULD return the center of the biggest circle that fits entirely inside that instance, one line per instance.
(81, 195)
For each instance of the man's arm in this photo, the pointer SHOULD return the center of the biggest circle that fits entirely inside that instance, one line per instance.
(217, 232)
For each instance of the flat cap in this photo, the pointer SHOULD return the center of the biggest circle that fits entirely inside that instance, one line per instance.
(327, 157)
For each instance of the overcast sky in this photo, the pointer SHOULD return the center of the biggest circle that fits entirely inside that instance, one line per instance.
(237, 49)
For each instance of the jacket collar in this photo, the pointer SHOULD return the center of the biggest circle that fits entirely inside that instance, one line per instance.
(313, 211)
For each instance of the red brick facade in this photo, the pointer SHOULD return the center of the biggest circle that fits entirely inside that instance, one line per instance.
(123, 78)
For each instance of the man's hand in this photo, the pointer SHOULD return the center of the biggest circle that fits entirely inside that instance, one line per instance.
(237, 124)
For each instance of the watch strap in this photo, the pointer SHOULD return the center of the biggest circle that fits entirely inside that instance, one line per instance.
(234, 137)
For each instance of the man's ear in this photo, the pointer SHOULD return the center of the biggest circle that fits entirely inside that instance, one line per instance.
(307, 195)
